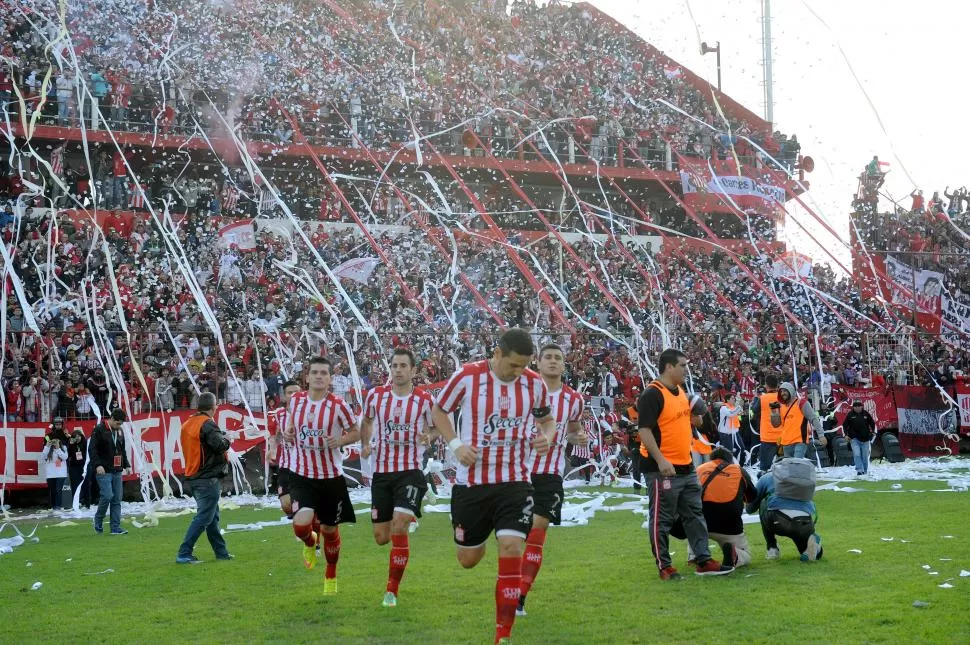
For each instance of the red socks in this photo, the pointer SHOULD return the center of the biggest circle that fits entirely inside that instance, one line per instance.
(400, 552)
(532, 559)
(506, 595)
(316, 530)
(331, 551)
(306, 533)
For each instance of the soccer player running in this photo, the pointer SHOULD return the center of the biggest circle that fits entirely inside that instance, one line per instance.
(280, 452)
(665, 419)
(499, 399)
(398, 417)
(566, 407)
(319, 424)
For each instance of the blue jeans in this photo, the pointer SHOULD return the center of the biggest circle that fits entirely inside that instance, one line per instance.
(733, 443)
(206, 493)
(796, 450)
(860, 454)
(766, 456)
(110, 485)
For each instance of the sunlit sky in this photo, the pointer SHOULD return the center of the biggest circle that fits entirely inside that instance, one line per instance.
(909, 59)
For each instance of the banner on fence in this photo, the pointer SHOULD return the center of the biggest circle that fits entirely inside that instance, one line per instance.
(159, 434)
(927, 421)
(878, 402)
(962, 390)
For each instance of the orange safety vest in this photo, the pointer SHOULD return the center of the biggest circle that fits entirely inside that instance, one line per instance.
(193, 454)
(674, 425)
(725, 487)
(700, 445)
(792, 423)
(735, 422)
(769, 434)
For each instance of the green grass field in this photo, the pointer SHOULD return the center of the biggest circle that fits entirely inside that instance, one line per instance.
(598, 584)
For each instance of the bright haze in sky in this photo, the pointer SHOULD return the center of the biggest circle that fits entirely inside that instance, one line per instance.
(909, 58)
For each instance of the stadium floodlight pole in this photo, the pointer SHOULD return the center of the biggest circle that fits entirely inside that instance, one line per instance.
(716, 49)
(353, 213)
(520, 264)
(563, 244)
(767, 62)
(429, 232)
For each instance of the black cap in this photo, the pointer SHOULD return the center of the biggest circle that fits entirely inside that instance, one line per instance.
(119, 415)
(856, 402)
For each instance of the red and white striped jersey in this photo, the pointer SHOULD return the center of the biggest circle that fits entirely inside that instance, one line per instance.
(591, 428)
(566, 405)
(496, 418)
(315, 421)
(276, 424)
(398, 421)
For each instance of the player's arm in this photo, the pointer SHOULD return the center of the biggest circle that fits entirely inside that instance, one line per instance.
(575, 434)
(547, 433)
(466, 455)
(350, 435)
(366, 432)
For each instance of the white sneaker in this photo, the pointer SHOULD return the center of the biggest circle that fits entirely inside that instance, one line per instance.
(814, 546)
(772, 554)
(412, 527)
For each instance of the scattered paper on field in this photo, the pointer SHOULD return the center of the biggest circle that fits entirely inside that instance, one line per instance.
(37, 585)
(854, 551)
(945, 585)
(99, 573)
(964, 573)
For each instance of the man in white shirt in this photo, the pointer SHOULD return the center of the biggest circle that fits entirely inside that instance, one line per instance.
(341, 382)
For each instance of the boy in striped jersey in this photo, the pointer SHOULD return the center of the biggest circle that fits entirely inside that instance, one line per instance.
(398, 417)
(319, 425)
(499, 401)
(280, 451)
(566, 405)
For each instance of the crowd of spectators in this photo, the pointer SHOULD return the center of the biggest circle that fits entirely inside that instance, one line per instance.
(112, 298)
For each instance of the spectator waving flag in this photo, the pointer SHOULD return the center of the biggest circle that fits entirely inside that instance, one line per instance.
(672, 72)
(359, 269)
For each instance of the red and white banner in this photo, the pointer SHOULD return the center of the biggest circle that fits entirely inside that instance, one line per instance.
(877, 402)
(926, 421)
(709, 193)
(160, 435)
(240, 233)
(359, 270)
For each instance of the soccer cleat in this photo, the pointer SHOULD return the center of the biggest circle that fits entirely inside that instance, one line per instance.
(803, 557)
(330, 588)
(413, 526)
(504, 641)
(669, 573)
(390, 600)
(520, 609)
(712, 568)
(773, 554)
(187, 559)
(309, 556)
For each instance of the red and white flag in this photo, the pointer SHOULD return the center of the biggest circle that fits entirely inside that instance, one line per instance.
(137, 197)
(359, 269)
(241, 234)
(230, 197)
(57, 160)
(672, 71)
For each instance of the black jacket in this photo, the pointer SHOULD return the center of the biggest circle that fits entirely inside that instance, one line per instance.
(75, 462)
(859, 425)
(104, 446)
(215, 443)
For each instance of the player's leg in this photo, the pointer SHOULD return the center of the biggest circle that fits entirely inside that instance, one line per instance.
(548, 507)
(304, 502)
(381, 507)
(335, 508)
(471, 518)
(283, 491)
(513, 521)
(409, 489)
